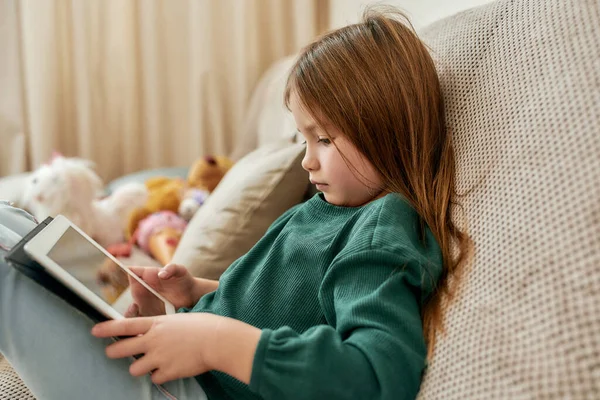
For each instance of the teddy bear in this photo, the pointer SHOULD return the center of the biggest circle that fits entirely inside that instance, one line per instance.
(166, 194)
(63, 185)
(207, 172)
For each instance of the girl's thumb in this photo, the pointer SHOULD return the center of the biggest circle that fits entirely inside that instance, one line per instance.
(164, 273)
(172, 271)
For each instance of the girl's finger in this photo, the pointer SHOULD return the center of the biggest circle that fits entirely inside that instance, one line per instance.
(126, 348)
(142, 366)
(123, 327)
(159, 377)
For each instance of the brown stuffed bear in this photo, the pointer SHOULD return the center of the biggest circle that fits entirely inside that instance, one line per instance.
(165, 194)
(207, 172)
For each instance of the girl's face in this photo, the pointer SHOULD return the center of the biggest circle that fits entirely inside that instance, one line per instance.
(351, 182)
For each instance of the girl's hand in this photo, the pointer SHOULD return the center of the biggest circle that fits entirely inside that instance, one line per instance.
(173, 281)
(183, 345)
(173, 346)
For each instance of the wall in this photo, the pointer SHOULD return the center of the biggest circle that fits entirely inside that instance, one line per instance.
(421, 12)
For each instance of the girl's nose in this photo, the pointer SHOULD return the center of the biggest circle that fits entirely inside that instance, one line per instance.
(309, 163)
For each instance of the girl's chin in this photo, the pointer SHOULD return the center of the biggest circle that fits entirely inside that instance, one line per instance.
(329, 198)
(334, 201)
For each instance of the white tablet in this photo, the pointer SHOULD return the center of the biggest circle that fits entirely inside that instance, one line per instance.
(73, 258)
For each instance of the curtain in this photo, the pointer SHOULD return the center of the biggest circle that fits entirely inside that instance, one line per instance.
(141, 84)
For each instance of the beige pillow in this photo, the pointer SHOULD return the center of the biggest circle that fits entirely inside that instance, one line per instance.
(253, 194)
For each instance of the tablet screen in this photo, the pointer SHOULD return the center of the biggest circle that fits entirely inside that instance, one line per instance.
(89, 265)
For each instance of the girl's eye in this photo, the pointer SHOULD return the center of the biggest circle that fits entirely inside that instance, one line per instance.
(324, 141)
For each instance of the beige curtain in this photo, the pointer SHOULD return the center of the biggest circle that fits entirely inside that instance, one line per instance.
(137, 84)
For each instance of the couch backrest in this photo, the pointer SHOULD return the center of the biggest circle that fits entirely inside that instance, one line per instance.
(267, 120)
(521, 81)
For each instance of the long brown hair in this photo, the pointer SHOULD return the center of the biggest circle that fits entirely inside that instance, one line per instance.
(376, 82)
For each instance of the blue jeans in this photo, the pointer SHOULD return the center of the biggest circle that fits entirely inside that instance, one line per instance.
(49, 344)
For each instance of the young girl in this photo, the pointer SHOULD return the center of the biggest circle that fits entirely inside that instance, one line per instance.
(340, 299)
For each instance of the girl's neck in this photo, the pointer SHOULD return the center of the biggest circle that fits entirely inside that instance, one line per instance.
(381, 194)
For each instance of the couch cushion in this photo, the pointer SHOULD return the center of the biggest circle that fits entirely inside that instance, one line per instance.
(521, 81)
(255, 192)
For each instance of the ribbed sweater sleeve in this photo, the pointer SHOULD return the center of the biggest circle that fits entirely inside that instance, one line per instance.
(372, 347)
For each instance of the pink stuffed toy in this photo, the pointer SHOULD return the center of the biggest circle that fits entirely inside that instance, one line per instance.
(158, 234)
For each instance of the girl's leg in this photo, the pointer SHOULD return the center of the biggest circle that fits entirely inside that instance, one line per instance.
(50, 346)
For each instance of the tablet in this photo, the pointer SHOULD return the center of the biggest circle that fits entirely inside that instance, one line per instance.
(74, 258)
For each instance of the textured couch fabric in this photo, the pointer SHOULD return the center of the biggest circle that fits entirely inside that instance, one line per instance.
(522, 87)
(521, 81)
(11, 387)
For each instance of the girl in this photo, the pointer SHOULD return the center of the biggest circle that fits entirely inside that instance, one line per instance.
(340, 299)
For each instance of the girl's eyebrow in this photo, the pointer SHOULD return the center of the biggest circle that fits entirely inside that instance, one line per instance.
(308, 129)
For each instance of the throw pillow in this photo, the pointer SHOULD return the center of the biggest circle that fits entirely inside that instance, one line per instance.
(253, 194)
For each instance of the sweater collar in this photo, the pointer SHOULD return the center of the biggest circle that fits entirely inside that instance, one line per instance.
(319, 204)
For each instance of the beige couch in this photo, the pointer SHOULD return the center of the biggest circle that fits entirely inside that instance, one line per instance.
(522, 86)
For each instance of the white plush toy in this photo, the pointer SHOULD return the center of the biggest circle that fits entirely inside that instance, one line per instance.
(191, 202)
(63, 186)
(70, 187)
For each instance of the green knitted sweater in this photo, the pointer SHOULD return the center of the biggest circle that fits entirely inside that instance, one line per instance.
(337, 293)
